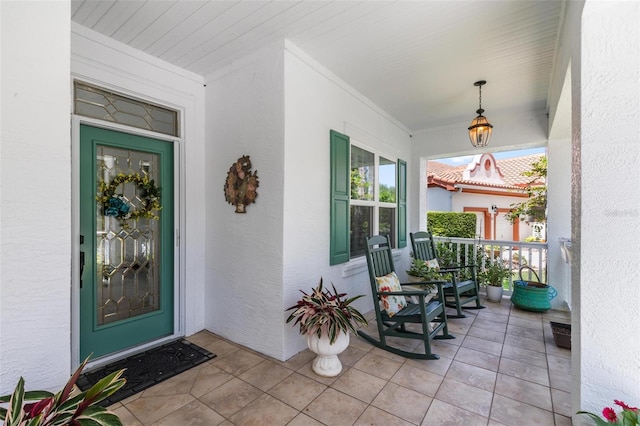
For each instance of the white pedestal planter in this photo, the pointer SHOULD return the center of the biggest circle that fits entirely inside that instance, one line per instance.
(327, 363)
(494, 293)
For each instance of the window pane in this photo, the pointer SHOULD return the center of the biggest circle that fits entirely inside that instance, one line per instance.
(362, 174)
(387, 181)
(94, 102)
(388, 224)
(361, 226)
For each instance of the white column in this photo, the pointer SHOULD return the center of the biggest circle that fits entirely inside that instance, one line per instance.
(559, 220)
(606, 225)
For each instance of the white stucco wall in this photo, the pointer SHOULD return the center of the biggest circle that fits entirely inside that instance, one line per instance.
(606, 117)
(559, 219)
(316, 101)
(244, 252)
(107, 63)
(568, 42)
(439, 200)
(35, 180)
(278, 107)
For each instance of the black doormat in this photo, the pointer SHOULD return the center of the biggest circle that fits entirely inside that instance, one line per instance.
(146, 369)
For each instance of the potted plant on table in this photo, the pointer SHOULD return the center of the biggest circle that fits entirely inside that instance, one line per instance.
(493, 274)
(422, 272)
(326, 318)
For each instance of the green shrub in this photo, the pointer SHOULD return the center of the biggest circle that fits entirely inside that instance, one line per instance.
(452, 224)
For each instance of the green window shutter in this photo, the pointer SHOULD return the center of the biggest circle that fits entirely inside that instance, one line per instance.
(340, 194)
(402, 203)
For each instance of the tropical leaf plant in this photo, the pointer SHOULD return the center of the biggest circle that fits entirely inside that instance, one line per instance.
(69, 406)
(326, 313)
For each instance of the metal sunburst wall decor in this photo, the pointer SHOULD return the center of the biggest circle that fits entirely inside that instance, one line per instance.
(241, 184)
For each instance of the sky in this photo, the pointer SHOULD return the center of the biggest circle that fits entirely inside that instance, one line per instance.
(457, 161)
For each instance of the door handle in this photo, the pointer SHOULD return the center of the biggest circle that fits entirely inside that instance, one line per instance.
(81, 266)
(81, 260)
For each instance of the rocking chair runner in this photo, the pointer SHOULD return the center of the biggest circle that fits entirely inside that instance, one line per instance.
(429, 315)
(456, 293)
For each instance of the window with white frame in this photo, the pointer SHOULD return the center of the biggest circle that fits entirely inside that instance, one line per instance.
(368, 197)
(373, 199)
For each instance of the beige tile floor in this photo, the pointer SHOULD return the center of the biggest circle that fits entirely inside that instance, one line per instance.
(503, 368)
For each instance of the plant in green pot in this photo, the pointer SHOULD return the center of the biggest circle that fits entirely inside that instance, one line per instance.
(493, 275)
(326, 317)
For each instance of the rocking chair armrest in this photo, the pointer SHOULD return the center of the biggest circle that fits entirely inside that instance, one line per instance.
(419, 283)
(450, 269)
(402, 293)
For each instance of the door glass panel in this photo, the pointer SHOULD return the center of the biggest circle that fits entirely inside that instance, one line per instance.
(128, 282)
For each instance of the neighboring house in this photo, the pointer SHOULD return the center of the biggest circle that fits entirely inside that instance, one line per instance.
(485, 186)
(235, 274)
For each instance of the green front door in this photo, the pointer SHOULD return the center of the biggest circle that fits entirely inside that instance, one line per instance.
(126, 243)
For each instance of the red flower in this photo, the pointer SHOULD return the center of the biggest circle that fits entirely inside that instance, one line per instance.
(625, 406)
(609, 414)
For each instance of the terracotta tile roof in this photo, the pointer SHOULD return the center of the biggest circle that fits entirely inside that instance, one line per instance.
(447, 176)
(513, 168)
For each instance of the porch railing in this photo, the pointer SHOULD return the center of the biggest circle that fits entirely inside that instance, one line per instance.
(514, 254)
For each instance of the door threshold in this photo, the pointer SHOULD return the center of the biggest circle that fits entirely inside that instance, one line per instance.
(107, 359)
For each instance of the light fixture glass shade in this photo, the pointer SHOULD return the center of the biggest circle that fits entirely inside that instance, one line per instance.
(480, 131)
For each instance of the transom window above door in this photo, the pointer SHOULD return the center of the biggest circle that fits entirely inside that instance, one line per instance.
(94, 102)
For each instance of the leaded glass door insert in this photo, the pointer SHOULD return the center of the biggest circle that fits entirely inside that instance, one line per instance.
(127, 269)
(126, 222)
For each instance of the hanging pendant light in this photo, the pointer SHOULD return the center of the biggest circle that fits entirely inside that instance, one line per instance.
(480, 128)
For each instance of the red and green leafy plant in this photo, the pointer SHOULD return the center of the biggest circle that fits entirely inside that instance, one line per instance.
(67, 407)
(627, 417)
(326, 313)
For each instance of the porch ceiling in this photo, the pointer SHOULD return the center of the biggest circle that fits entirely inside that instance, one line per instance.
(416, 60)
